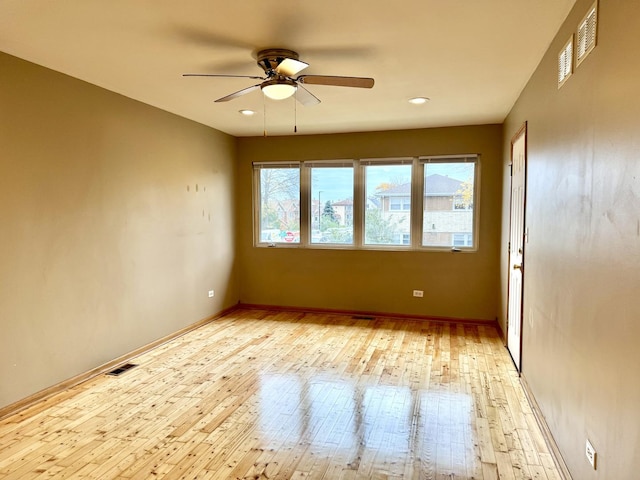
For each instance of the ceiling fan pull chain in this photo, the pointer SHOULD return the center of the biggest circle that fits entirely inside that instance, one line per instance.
(295, 113)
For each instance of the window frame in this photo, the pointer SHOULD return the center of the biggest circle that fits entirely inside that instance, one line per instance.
(475, 222)
(416, 209)
(361, 176)
(257, 204)
(306, 191)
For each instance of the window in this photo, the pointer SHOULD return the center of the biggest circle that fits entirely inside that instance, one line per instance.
(331, 215)
(400, 204)
(279, 194)
(449, 193)
(387, 219)
(462, 240)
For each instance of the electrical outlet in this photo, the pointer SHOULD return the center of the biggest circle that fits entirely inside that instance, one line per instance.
(211, 293)
(591, 454)
(418, 293)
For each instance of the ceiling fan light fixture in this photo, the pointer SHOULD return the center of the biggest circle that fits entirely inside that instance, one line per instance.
(279, 88)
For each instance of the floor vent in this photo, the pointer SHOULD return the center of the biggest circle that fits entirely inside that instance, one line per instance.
(121, 369)
(363, 317)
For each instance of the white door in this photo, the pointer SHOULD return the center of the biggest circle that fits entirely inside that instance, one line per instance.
(516, 245)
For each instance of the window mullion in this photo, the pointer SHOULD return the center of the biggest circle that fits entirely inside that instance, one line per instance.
(359, 204)
(305, 202)
(417, 197)
(476, 205)
(256, 206)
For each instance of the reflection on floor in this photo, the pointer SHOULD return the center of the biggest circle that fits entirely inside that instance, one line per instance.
(382, 420)
(266, 395)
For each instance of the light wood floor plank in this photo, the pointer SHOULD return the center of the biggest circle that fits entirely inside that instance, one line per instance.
(264, 394)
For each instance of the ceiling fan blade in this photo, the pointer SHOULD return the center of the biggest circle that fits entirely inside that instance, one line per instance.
(210, 39)
(290, 67)
(359, 82)
(305, 97)
(239, 93)
(337, 52)
(220, 75)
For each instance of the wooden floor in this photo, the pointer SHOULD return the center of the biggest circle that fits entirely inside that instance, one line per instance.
(273, 395)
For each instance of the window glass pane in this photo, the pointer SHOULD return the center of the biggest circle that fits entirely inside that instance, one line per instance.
(387, 219)
(280, 205)
(448, 204)
(331, 205)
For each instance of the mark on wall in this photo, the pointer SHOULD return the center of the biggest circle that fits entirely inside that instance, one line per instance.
(205, 212)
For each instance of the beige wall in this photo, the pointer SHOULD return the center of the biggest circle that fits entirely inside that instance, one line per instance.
(455, 285)
(582, 263)
(116, 219)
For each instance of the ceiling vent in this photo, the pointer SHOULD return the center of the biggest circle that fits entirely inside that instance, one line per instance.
(565, 62)
(587, 33)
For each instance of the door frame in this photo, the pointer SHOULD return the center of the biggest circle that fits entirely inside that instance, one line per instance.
(521, 131)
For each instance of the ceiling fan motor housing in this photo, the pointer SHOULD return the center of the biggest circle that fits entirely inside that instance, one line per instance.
(270, 58)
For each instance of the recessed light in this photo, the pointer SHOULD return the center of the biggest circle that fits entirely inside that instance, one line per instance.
(418, 100)
(247, 113)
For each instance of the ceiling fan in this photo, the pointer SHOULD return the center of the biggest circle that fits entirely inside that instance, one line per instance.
(280, 66)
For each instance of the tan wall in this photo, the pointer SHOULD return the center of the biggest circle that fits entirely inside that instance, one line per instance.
(582, 262)
(455, 285)
(106, 243)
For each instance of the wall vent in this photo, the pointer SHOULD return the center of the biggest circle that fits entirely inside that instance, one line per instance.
(363, 317)
(121, 369)
(587, 34)
(565, 62)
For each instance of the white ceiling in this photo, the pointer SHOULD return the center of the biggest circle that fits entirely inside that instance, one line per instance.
(472, 58)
